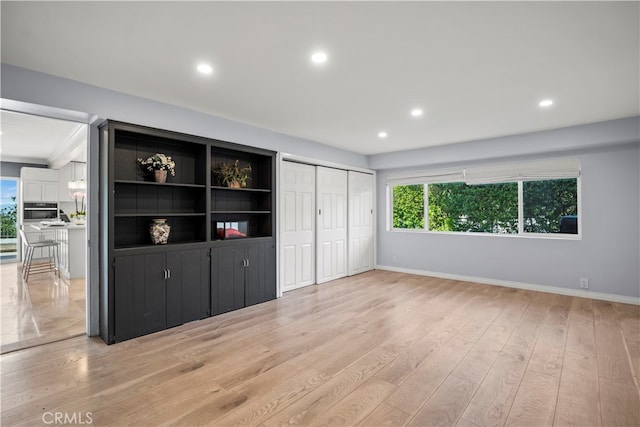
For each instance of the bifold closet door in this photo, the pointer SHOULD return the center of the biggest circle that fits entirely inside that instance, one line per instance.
(331, 221)
(360, 222)
(298, 258)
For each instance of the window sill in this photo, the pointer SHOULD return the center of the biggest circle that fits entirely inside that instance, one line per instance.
(509, 236)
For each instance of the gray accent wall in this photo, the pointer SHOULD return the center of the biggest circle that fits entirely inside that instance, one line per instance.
(608, 253)
(12, 169)
(30, 86)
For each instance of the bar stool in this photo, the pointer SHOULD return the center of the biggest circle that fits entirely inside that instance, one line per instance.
(27, 259)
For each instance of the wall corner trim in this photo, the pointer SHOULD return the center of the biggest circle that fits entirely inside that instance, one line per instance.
(518, 285)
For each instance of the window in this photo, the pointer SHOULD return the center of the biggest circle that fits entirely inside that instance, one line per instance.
(489, 208)
(551, 206)
(524, 199)
(408, 206)
(8, 218)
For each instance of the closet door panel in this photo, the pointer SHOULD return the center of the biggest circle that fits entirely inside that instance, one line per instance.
(361, 187)
(298, 225)
(332, 223)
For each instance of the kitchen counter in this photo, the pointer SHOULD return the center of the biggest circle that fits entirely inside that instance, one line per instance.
(66, 226)
(73, 247)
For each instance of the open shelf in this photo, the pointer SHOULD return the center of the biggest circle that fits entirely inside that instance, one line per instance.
(165, 184)
(190, 158)
(132, 231)
(242, 212)
(255, 190)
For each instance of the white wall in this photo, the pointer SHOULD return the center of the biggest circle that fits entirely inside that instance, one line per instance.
(608, 254)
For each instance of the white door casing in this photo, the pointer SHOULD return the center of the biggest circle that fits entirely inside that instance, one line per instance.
(331, 220)
(298, 186)
(361, 189)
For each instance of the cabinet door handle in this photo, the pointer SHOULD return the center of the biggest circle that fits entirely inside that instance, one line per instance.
(164, 274)
(247, 262)
(168, 274)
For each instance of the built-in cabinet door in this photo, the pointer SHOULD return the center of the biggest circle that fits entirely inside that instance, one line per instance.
(360, 222)
(227, 278)
(155, 293)
(331, 223)
(139, 295)
(260, 274)
(298, 225)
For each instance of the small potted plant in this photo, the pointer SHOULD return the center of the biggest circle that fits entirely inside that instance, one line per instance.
(232, 175)
(159, 164)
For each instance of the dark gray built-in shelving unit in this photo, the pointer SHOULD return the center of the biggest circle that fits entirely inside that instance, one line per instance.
(200, 272)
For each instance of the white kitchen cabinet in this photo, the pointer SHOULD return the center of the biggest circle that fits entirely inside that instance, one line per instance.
(31, 190)
(72, 171)
(39, 185)
(73, 250)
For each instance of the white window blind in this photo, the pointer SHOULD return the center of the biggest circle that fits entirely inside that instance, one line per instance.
(426, 177)
(531, 171)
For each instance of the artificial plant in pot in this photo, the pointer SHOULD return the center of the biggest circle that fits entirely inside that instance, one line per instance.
(232, 174)
(159, 164)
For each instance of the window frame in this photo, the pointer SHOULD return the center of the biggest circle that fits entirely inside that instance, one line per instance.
(521, 232)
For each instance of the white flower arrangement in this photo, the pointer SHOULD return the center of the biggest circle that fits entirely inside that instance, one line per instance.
(159, 162)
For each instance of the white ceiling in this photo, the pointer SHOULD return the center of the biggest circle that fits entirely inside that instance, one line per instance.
(477, 69)
(27, 138)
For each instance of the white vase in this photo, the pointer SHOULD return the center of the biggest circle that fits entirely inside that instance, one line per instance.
(159, 231)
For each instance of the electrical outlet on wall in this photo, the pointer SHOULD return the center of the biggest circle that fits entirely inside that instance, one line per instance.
(584, 283)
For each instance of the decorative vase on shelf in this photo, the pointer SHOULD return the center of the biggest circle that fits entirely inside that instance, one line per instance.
(159, 231)
(235, 184)
(160, 176)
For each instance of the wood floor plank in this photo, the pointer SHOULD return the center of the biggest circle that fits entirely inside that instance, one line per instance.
(535, 402)
(264, 404)
(357, 405)
(446, 405)
(620, 403)
(578, 401)
(414, 391)
(613, 358)
(629, 320)
(386, 415)
(548, 353)
(492, 402)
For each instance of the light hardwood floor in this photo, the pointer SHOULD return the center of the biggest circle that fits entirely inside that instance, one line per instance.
(45, 309)
(375, 349)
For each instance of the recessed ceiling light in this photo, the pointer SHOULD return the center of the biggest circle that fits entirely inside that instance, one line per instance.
(382, 134)
(205, 68)
(546, 103)
(319, 58)
(416, 112)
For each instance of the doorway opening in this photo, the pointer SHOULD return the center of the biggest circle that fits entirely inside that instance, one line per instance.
(44, 158)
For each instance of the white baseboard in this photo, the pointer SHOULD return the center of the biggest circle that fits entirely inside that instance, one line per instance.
(518, 285)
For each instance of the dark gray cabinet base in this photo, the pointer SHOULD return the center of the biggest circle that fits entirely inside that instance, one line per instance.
(242, 274)
(156, 291)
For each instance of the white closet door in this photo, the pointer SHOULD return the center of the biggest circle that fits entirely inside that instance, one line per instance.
(298, 225)
(360, 222)
(331, 224)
